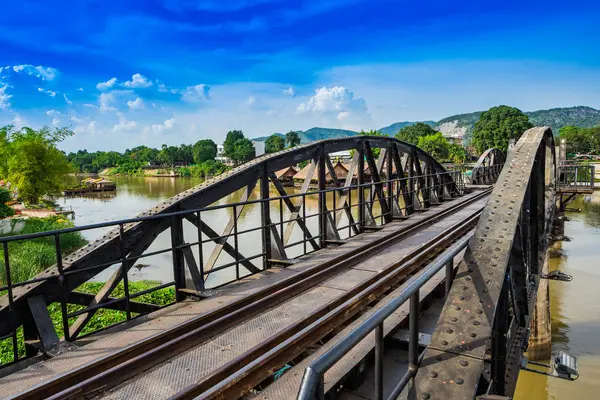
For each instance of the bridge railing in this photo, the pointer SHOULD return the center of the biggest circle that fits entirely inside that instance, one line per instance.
(313, 383)
(572, 177)
(340, 213)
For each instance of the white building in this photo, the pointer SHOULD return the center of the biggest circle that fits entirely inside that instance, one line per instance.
(259, 147)
(221, 157)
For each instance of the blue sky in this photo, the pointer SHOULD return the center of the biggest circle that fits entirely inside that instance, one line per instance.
(124, 73)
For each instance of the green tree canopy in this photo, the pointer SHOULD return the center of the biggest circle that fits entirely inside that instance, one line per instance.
(243, 151)
(237, 147)
(457, 153)
(292, 139)
(204, 150)
(497, 126)
(274, 143)
(436, 145)
(32, 162)
(412, 133)
(229, 143)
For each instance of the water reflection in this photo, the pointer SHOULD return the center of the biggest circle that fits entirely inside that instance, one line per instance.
(575, 309)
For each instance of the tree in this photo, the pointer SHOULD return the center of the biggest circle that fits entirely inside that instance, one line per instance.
(497, 126)
(237, 147)
(5, 210)
(578, 139)
(204, 150)
(229, 143)
(436, 145)
(243, 151)
(457, 153)
(274, 143)
(292, 139)
(33, 163)
(412, 133)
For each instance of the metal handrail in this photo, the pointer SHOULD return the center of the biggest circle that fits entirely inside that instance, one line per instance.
(62, 272)
(313, 383)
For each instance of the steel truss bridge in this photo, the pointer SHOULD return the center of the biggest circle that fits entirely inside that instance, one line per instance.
(302, 293)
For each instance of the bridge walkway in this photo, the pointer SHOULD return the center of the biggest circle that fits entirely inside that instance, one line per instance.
(166, 379)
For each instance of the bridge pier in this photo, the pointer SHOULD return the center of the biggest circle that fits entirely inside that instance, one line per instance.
(540, 340)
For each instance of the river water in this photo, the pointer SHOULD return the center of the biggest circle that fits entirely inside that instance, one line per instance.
(575, 309)
(575, 306)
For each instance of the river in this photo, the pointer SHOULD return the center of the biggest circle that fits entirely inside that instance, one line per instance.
(575, 306)
(575, 309)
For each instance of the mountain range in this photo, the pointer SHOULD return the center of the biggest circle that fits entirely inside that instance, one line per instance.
(461, 126)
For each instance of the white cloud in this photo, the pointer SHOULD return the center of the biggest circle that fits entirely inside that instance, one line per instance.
(41, 72)
(168, 124)
(4, 98)
(124, 125)
(289, 91)
(86, 128)
(55, 121)
(196, 93)
(336, 102)
(251, 100)
(67, 99)
(105, 85)
(80, 89)
(54, 113)
(106, 100)
(19, 121)
(50, 93)
(136, 104)
(138, 81)
(78, 120)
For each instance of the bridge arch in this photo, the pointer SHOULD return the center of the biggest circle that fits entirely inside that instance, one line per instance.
(488, 167)
(400, 180)
(488, 310)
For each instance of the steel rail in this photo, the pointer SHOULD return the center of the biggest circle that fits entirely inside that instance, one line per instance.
(249, 369)
(127, 362)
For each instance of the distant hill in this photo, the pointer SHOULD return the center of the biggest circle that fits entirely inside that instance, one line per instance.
(315, 134)
(461, 125)
(392, 129)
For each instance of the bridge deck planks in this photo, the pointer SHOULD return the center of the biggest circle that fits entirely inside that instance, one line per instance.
(113, 339)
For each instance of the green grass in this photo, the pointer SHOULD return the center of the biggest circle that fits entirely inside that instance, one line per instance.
(27, 258)
(101, 319)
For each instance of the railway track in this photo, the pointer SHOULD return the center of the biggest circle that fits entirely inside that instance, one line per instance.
(240, 375)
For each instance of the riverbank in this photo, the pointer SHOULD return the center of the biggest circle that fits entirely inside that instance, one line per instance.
(203, 170)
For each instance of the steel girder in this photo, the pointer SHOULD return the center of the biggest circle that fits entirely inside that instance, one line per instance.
(136, 237)
(488, 167)
(483, 329)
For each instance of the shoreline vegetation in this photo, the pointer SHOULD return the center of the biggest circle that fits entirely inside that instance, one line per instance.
(203, 170)
(29, 258)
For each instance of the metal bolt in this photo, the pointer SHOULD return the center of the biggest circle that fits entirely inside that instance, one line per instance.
(457, 308)
(463, 363)
(449, 330)
(475, 322)
(444, 343)
(459, 381)
(433, 374)
(425, 396)
(453, 319)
